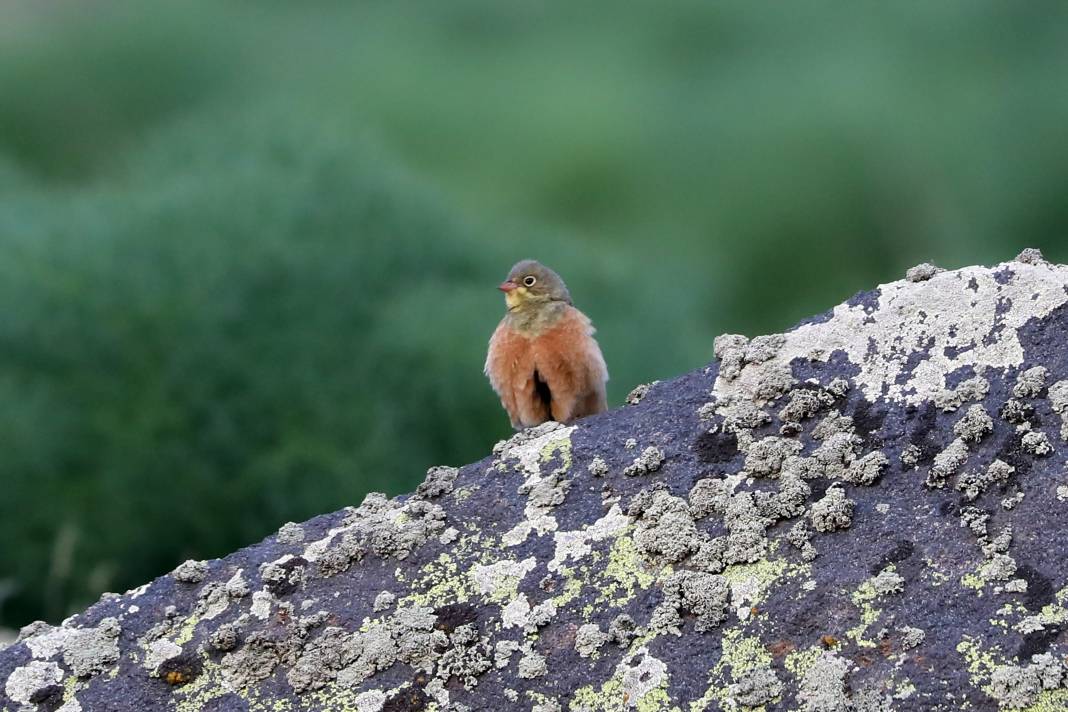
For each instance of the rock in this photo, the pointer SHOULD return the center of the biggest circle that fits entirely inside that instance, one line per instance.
(819, 520)
(922, 272)
(191, 571)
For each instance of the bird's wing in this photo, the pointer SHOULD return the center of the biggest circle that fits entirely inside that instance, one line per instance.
(597, 375)
(569, 361)
(499, 366)
(510, 368)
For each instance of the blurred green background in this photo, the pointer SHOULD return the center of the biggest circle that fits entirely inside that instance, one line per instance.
(248, 250)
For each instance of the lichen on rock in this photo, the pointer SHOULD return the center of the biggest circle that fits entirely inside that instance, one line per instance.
(704, 595)
(589, 639)
(922, 272)
(650, 460)
(666, 529)
(822, 688)
(439, 481)
(638, 393)
(833, 512)
(766, 456)
(191, 572)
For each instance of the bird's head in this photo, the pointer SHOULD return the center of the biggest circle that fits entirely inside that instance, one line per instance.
(531, 284)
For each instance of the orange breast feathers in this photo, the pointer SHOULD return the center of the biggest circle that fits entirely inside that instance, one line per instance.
(558, 374)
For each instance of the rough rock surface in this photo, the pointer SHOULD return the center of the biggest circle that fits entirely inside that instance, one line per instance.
(865, 513)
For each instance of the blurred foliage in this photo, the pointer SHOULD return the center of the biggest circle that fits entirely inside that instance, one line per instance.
(248, 249)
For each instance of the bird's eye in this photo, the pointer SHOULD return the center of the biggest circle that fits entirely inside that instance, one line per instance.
(530, 280)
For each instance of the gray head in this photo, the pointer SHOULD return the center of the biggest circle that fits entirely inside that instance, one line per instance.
(531, 283)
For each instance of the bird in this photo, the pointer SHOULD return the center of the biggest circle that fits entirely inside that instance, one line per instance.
(543, 361)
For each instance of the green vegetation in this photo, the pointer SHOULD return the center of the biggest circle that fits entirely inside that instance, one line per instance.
(248, 249)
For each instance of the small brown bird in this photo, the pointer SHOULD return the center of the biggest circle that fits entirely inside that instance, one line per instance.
(543, 360)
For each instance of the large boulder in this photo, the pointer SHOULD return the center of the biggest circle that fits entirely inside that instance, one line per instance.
(864, 513)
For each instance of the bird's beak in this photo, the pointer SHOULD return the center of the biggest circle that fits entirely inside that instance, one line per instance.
(507, 286)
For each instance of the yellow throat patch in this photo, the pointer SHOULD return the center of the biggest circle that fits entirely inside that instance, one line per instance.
(515, 297)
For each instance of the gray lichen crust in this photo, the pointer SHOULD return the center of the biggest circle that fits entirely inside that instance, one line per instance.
(922, 272)
(861, 514)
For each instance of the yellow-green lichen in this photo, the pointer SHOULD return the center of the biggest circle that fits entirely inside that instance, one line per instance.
(1053, 614)
(185, 634)
(868, 615)
(561, 447)
(572, 587)
(752, 582)
(740, 653)
(904, 690)
(537, 698)
(980, 663)
(799, 662)
(656, 701)
(1014, 610)
(974, 582)
(198, 693)
(868, 591)
(608, 698)
(862, 598)
(624, 573)
(71, 687)
(701, 704)
(1049, 701)
(932, 572)
(611, 697)
(633, 685)
(438, 583)
(463, 493)
(335, 698)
